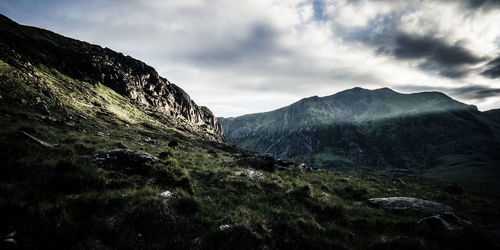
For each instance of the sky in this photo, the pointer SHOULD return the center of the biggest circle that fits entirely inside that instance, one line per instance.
(239, 57)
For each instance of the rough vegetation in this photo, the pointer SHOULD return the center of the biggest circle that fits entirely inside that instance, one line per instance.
(118, 175)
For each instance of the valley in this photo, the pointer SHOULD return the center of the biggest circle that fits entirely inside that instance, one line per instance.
(101, 152)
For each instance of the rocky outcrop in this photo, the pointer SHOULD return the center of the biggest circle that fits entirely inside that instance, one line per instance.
(22, 45)
(448, 222)
(410, 204)
(141, 83)
(251, 174)
(126, 160)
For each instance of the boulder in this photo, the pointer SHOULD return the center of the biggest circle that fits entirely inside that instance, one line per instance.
(126, 160)
(448, 222)
(410, 204)
(167, 194)
(251, 174)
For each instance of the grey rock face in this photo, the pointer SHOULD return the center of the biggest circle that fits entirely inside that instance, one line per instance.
(126, 160)
(251, 174)
(141, 83)
(410, 204)
(125, 75)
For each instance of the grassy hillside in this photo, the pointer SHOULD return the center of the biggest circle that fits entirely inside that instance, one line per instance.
(59, 198)
(53, 195)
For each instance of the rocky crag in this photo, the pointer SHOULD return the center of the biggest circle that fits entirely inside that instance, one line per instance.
(26, 47)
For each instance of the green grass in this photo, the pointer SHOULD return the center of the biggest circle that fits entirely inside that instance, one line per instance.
(61, 199)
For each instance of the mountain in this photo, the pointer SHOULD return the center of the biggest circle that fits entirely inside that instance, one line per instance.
(24, 48)
(99, 152)
(493, 114)
(374, 129)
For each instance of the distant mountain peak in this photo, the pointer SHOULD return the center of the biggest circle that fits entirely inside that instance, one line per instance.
(378, 127)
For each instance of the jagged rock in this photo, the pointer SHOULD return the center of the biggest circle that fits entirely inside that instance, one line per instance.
(43, 143)
(167, 194)
(10, 241)
(251, 174)
(304, 167)
(10, 238)
(127, 76)
(11, 235)
(444, 221)
(410, 204)
(126, 160)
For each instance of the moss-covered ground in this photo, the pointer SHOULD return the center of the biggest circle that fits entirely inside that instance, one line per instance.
(60, 199)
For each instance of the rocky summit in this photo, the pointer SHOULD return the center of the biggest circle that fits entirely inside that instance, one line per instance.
(378, 130)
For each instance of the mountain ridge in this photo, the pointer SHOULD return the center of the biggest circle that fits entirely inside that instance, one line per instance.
(375, 129)
(24, 46)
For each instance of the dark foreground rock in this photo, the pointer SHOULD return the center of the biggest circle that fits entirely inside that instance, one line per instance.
(269, 163)
(448, 222)
(126, 160)
(410, 204)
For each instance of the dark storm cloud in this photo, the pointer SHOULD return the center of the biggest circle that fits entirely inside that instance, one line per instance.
(388, 35)
(474, 4)
(222, 51)
(449, 60)
(476, 92)
(471, 92)
(493, 68)
(433, 49)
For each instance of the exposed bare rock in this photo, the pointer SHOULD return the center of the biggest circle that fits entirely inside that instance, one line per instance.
(168, 195)
(43, 143)
(127, 76)
(126, 160)
(448, 222)
(251, 174)
(410, 204)
(140, 82)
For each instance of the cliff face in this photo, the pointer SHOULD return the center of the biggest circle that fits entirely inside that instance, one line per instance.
(22, 45)
(140, 82)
